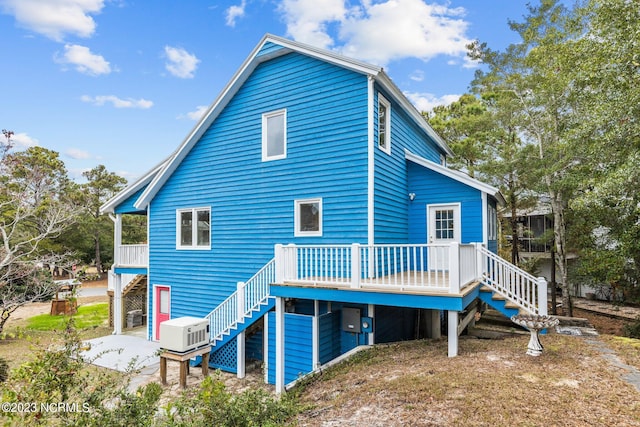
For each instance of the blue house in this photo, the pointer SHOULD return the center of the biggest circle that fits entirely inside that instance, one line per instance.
(311, 212)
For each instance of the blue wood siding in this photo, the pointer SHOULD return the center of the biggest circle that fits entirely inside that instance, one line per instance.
(127, 205)
(269, 48)
(298, 358)
(390, 183)
(252, 202)
(430, 188)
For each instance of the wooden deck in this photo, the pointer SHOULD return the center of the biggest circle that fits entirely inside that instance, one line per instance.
(405, 284)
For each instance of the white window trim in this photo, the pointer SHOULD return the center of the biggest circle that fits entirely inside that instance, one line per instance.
(386, 103)
(493, 222)
(457, 208)
(266, 116)
(296, 216)
(194, 229)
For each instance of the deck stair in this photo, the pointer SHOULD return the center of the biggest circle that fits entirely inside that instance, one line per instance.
(499, 302)
(509, 289)
(242, 308)
(139, 282)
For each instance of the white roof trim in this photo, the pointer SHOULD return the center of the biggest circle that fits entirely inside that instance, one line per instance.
(111, 204)
(245, 70)
(456, 175)
(388, 84)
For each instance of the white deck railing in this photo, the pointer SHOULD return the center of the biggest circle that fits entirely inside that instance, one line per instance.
(132, 256)
(247, 298)
(515, 284)
(447, 268)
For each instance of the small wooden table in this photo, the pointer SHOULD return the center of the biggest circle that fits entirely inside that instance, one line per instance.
(184, 358)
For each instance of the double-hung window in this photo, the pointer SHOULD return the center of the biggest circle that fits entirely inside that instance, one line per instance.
(384, 124)
(274, 135)
(308, 217)
(193, 228)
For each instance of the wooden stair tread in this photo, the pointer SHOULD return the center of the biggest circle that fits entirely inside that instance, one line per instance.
(135, 284)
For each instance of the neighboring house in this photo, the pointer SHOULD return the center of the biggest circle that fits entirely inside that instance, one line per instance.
(310, 212)
(535, 234)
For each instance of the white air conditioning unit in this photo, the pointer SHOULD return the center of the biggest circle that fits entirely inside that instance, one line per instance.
(184, 334)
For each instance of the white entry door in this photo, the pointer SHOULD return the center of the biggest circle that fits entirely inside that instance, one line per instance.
(443, 228)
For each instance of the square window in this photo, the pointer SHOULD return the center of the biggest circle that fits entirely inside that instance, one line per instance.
(274, 135)
(308, 217)
(193, 228)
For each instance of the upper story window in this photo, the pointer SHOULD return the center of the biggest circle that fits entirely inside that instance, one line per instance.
(274, 135)
(308, 217)
(193, 228)
(384, 124)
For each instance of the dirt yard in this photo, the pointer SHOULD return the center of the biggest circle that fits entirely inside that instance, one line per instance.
(491, 383)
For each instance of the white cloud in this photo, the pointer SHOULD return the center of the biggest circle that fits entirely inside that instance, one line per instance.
(55, 18)
(84, 60)
(180, 62)
(77, 154)
(23, 141)
(427, 101)
(196, 114)
(417, 76)
(378, 32)
(117, 102)
(308, 20)
(235, 12)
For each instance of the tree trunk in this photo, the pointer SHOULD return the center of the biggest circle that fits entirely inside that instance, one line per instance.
(96, 238)
(559, 229)
(554, 302)
(515, 239)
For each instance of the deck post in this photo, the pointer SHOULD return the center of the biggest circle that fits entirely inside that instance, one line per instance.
(355, 265)
(265, 348)
(434, 324)
(542, 296)
(278, 256)
(279, 345)
(479, 261)
(452, 332)
(240, 339)
(117, 240)
(454, 268)
(117, 304)
(315, 335)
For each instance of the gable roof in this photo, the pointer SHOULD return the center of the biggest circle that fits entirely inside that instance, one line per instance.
(270, 47)
(456, 175)
(110, 205)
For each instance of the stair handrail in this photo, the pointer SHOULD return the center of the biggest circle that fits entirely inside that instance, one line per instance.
(513, 283)
(247, 298)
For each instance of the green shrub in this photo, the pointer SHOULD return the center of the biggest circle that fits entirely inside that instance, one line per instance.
(213, 405)
(62, 389)
(632, 330)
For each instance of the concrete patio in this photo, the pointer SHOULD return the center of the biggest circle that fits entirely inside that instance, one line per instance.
(131, 351)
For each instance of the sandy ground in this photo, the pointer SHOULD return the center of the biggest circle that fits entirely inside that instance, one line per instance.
(36, 308)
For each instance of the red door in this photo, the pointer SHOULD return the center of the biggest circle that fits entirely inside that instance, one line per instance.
(161, 307)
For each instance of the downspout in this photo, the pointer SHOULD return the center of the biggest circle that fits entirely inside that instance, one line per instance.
(370, 162)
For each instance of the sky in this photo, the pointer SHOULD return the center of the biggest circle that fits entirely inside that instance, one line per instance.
(122, 82)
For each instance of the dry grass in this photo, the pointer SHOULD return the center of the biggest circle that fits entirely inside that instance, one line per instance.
(628, 349)
(491, 383)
